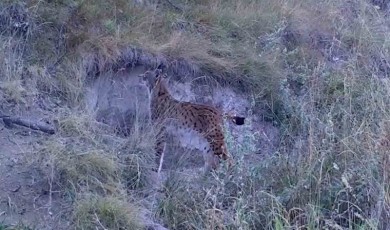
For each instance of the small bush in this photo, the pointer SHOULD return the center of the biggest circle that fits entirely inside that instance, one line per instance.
(75, 171)
(96, 212)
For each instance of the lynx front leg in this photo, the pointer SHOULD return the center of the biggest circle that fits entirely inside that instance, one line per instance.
(218, 151)
(160, 147)
(210, 161)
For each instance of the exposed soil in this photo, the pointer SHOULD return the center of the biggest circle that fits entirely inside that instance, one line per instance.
(24, 191)
(114, 99)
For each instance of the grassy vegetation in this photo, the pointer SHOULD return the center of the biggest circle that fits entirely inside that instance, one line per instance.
(95, 171)
(107, 213)
(17, 227)
(321, 69)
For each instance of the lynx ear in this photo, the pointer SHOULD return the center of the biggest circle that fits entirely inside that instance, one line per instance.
(162, 67)
(160, 71)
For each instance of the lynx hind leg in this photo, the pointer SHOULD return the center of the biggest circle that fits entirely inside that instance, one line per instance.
(226, 157)
(211, 161)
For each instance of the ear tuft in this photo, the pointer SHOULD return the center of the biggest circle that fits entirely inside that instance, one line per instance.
(161, 67)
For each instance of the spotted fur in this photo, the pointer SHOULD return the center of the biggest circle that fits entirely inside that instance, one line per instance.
(203, 119)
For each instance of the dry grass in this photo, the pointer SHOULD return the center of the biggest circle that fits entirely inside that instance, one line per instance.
(17, 227)
(320, 68)
(106, 213)
(333, 96)
(85, 157)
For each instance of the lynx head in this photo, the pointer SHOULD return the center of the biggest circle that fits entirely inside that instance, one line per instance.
(152, 78)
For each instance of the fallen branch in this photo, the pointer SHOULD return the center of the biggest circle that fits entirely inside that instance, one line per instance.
(10, 121)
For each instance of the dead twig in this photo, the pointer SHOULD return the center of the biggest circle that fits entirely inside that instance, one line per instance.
(10, 121)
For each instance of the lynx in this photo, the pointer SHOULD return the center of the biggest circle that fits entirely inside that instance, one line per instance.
(178, 116)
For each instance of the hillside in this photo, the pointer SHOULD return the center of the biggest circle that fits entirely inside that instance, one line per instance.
(311, 77)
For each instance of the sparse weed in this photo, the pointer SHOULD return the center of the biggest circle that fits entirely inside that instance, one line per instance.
(75, 170)
(94, 212)
(138, 159)
(85, 157)
(11, 70)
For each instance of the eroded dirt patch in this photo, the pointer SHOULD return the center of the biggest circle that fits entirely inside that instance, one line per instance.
(24, 191)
